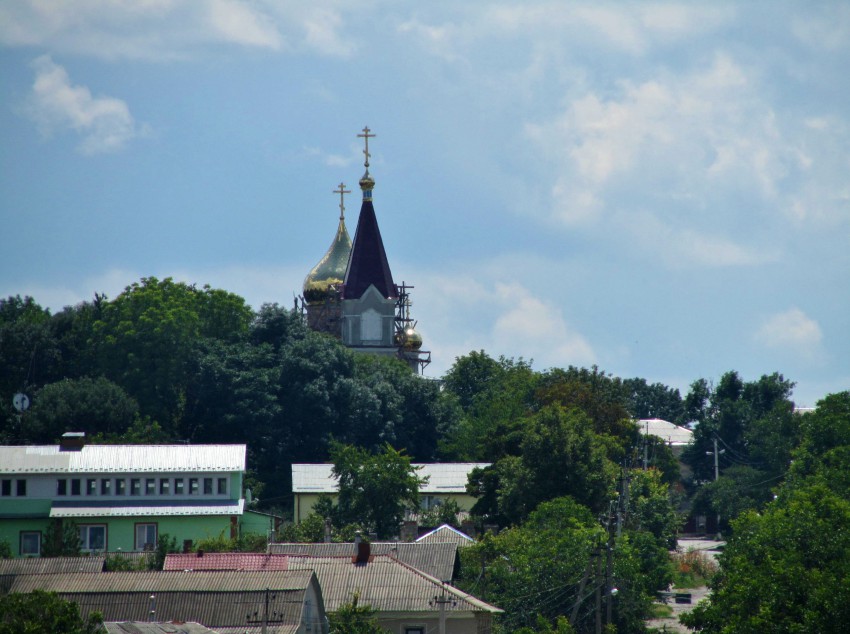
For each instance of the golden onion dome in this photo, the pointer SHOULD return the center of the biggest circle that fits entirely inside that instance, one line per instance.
(323, 282)
(409, 339)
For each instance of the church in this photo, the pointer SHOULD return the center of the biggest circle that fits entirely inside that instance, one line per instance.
(350, 293)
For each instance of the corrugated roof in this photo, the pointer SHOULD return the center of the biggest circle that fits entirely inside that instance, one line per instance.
(217, 599)
(51, 565)
(147, 509)
(142, 627)
(446, 477)
(445, 533)
(384, 583)
(122, 459)
(225, 561)
(437, 559)
(666, 430)
(156, 581)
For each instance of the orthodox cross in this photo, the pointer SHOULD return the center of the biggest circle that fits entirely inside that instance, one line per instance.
(366, 136)
(342, 191)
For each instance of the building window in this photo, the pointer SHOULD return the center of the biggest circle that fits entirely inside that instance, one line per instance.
(21, 488)
(6, 488)
(105, 486)
(120, 486)
(92, 537)
(30, 543)
(145, 536)
(222, 486)
(75, 486)
(150, 486)
(414, 630)
(61, 487)
(178, 486)
(164, 486)
(208, 486)
(91, 486)
(370, 326)
(135, 486)
(193, 486)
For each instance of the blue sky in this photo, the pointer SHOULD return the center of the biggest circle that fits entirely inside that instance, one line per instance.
(661, 189)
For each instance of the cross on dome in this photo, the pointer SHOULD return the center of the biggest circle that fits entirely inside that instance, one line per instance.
(342, 191)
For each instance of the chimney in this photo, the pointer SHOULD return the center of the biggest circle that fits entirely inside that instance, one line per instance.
(362, 549)
(72, 441)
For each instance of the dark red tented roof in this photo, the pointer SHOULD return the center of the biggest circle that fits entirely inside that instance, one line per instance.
(368, 261)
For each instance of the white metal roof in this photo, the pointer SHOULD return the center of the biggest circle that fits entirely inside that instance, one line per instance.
(665, 430)
(445, 477)
(122, 458)
(231, 507)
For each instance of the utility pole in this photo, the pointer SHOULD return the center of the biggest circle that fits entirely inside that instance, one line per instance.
(716, 474)
(442, 601)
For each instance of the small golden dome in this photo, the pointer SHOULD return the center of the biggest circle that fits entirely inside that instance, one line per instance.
(409, 339)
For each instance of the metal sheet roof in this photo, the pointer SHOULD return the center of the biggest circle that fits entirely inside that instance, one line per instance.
(445, 533)
(122, 459)
(177, 507)
(384, 582)
(216, 599)
(156, 581)
(667, 431)
(446, 477)
(51, 565)
(437, 559)
(225, 561)
(142, 627)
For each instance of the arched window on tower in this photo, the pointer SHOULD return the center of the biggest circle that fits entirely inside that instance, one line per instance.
(370, 327)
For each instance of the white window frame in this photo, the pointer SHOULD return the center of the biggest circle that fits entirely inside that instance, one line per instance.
(37, 552)
(86, 537)
(142, 529)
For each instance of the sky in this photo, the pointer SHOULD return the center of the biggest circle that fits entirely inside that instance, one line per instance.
(661, 189)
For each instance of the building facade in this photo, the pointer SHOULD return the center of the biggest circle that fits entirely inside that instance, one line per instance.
(122, 497)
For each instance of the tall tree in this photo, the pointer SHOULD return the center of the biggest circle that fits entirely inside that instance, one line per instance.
(40, 611)
(375, 489)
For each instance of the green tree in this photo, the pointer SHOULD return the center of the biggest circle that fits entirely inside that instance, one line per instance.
(61, 539)
(146, 339)
(92, 405)
(352, 617)
(40, 612)
(375, 489)
(653, 401)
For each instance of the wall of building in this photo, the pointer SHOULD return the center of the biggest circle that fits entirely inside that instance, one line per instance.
(304, 502)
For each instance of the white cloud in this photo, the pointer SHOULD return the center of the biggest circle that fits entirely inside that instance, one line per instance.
(104, 123)
(791, 331)
(166, 30)
(241, 23)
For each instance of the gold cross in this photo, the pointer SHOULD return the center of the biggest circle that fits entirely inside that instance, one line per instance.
(366, 136)
(342, 191)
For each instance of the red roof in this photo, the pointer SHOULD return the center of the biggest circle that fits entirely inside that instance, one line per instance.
(226, 561)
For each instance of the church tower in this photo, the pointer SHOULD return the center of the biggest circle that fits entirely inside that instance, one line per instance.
(357, 300)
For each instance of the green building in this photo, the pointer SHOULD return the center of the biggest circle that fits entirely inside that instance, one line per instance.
(123, 497)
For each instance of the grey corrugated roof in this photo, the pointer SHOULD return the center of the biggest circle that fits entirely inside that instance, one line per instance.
(384, 583)
(445, 533)
(219, 581)
(446, 477)
(115, 508)
(216, 599)
(436, 559)
(51, 565)
(142, 627)
(122, 459)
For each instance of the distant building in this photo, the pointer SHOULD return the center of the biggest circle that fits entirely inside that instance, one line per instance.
(408, 600)
(676, 437)
(446, 481)
(123, 497)
(351, 294)
(275, 602)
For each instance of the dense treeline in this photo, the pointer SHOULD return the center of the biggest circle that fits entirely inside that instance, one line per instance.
(573, 487)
